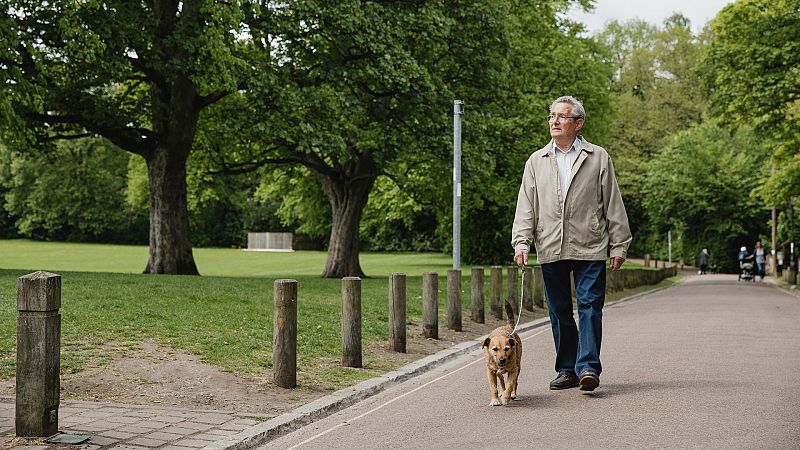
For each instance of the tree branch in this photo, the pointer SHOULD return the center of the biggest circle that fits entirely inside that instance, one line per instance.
(206, 100)
(135, 140)
(58, 137)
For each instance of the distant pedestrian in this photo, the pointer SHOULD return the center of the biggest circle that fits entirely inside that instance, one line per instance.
(703, 260)
(569, 206)
(743, 256)
(760, 255)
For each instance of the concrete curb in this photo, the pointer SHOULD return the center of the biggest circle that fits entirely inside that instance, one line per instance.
(344, 398)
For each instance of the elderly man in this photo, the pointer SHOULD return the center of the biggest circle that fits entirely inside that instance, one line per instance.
(570, 208)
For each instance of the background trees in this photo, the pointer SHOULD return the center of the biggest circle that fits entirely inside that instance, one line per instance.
(753, 70)
(334, 119)
(698, 185)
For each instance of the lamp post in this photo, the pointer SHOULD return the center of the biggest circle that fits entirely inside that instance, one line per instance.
(458, 111)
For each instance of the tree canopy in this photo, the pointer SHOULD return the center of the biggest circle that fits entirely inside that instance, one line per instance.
(136, 73)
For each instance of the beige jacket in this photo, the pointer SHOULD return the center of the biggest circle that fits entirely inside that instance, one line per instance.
(591, 224)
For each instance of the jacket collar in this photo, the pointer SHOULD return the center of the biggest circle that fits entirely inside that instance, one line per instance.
(585, 146)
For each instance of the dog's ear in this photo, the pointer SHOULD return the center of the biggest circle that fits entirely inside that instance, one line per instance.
(511, 343)
(486, 342)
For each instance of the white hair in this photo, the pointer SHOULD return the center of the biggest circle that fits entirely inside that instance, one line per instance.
(577, 106)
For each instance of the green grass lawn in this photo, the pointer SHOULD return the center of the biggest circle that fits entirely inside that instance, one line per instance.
(224, 262)
(224, 316)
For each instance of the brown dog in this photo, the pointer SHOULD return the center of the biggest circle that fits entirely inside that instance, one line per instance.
(503, 356)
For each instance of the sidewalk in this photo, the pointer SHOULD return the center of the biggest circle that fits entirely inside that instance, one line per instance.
(118, 426)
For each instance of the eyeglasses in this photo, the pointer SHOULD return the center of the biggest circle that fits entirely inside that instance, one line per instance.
(552, 117)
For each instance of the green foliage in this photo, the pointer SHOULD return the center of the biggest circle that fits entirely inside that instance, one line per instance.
(295, 200)
(699, 186)
(73, 193)
(395, 221)
(753, 69)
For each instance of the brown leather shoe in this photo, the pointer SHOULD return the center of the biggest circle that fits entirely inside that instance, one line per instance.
(564, 381)
(589, 381)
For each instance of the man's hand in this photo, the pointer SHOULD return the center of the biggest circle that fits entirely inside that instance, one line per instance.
(521, 257)
(616, 263)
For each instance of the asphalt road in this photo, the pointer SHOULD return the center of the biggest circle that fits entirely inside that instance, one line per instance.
(708, 363)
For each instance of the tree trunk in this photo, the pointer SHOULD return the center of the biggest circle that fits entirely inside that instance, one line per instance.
(170, 243)
(347, 193)
(175, 121)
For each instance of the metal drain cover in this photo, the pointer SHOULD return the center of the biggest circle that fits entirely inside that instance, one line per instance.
(63, 438)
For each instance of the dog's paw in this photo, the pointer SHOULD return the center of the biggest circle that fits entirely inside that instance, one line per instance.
(504, 399)
(495, 402)
(514, 396)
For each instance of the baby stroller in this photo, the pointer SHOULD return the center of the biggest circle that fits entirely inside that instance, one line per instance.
(745, 267)
(746, 271)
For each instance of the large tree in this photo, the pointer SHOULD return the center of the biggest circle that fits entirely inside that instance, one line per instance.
(138, 73)
(362, 92)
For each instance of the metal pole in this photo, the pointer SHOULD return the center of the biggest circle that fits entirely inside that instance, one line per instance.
(774, 265)
(458, 111)
(669, 239)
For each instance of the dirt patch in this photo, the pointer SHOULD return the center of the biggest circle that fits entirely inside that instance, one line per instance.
(156, 375)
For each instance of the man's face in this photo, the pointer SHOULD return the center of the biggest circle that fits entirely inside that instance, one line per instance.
(566, 128)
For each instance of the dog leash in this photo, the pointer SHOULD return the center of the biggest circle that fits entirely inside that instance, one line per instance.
(521, 291)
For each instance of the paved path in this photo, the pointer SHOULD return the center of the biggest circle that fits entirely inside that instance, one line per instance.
(708, 363)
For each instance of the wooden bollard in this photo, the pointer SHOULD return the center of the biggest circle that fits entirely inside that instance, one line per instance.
(397, 312)
(477, 295)
(513, 289)
(351, 322)
(538, 287)
(647, 259)
(430, 305)
(284, 337)
(527, 288)
(38, 354)
(454, 299)
(497, 292)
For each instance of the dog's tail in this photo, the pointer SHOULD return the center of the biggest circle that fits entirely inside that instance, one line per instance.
(512, 319)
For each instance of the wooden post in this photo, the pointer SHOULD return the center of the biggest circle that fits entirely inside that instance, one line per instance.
(527, 288)
(351, 322)
(538, 287)
(430, 305)
(38, 354)
(454, 299)
(513, 289)
(647, 259)
(497, 292)
(397, 312)
(477, 295)
(284, 337)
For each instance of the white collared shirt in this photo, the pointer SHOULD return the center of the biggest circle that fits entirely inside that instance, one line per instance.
(564, 163)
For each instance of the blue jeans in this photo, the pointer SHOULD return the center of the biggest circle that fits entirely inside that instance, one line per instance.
(577, 348)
